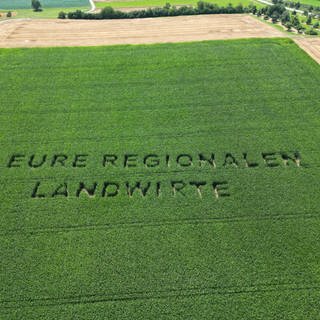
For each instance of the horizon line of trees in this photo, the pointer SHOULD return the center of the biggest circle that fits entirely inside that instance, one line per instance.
(168, 10)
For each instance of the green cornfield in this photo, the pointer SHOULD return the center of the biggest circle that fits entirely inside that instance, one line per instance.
(172, 181)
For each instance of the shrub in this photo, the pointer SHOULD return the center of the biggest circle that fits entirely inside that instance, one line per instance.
(309, 20)
(62, 15)
(36, 5)
(288, 25)
(110, 13)
(9, 14)
(285, 17)
(78, 14)
(252, 8)
(295, 21)
(277, 9)
(274, 18)
(300, 28)
(311, 32)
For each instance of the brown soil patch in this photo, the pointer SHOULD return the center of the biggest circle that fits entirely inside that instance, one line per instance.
(311, 46)
(44, 33)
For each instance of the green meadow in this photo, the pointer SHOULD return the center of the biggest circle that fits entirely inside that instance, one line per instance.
(172, 181)
(26, 4)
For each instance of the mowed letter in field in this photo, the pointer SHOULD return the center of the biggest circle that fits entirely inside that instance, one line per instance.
(169, 181)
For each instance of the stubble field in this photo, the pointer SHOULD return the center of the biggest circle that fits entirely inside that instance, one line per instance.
(48, 33)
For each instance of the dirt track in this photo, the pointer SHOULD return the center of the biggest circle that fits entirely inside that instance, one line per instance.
(44, 33)
(311, 46)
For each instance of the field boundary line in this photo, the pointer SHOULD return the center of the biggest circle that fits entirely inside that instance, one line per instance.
(140, 224)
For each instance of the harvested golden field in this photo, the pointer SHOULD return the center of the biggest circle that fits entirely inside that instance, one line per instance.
(311, 46)
(47, 33)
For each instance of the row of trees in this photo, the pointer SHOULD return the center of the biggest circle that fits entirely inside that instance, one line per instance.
(168, 10)
(298, 5)
(278, 12)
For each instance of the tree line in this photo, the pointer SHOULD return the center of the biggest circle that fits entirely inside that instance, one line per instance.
(168, 10)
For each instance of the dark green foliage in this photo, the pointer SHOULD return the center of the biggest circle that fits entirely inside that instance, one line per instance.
(305, 7)
(295, 21)
(9, 14)
(285, 17)
(274, 18)
(309, 20)
(288, 25)
(168, 10)
(36, 5)
(276, 12)
(277, 9)
(62, 15)
(311, 32)
(252, 8)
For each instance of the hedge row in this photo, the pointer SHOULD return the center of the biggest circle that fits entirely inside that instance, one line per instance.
(167, 10)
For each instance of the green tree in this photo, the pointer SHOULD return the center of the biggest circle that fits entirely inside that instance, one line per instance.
(285, 17)
(62, 15)
(274, 18)
(295, 21)
(309, 20)
(288, 26)
(36, 5)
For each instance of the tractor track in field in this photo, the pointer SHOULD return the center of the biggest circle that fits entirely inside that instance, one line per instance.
(159, 294)
(155, 224)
